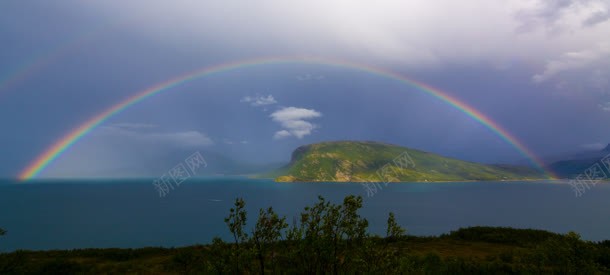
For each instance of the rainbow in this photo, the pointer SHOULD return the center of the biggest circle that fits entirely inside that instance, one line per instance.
(60, 146)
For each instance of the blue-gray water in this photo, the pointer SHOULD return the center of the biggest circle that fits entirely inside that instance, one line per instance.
(130, 213)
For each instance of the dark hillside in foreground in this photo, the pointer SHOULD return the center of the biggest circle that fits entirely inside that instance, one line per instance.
(332, 238)
(500, 250)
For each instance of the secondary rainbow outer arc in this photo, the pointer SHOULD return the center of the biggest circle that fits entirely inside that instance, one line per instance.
(63, 144)
(47, 58)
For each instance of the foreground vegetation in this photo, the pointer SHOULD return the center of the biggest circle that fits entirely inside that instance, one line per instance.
(360, 161)
(333, 238)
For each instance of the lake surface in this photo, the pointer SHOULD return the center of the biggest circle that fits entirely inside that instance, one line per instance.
(130, 213)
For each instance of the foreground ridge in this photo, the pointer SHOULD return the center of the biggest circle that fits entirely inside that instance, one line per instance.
(333, 238)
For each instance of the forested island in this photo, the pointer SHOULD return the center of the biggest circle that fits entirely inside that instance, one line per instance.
(362, 161)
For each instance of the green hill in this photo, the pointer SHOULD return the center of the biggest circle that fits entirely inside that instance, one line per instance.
(359, 161)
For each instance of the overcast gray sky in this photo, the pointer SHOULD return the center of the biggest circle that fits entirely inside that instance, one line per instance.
(540, 69)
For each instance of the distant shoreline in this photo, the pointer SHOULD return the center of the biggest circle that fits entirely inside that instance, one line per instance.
(601, 181)
(441, 181)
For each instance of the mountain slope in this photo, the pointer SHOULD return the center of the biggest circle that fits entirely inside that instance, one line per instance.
(572, 166)
(358, 161)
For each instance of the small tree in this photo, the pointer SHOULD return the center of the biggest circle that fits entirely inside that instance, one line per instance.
(394, 230)
(332, 231)
(353, 232)
(311, 231)
(267, 232)
(295, 232)
(236, 221)
(353, 225)
(2, 232)
(295, 244)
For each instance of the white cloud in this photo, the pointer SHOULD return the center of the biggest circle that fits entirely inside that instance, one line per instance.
(294, 113)
(574, 60)
(231, 142)
(557, 16)
(293, 120)
(281, 134)
(227, 141)
(604, 106)
(259, 100)
(135, 133)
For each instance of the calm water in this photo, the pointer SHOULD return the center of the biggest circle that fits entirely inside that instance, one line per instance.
(130, 213)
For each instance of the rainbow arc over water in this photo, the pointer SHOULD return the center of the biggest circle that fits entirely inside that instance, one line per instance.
(60, 146)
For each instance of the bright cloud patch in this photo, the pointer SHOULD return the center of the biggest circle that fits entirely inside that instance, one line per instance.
(282, 134)
(259, 100)
(574, 60)
(294, 121)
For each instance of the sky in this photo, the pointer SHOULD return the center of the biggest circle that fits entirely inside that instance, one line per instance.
(540, 69)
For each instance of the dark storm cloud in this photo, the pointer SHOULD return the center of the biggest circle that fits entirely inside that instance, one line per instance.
(552, 14)
(597, 18)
